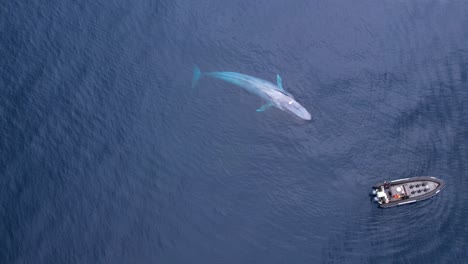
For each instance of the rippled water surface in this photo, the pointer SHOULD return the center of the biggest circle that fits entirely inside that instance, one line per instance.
(108, 156)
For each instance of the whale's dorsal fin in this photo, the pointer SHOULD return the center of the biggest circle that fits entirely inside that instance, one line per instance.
(279, 82)
(264, 107)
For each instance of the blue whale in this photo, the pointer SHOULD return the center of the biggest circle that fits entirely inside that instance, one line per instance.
(273, 94)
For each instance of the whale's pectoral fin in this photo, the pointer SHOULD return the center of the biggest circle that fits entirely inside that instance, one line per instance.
(264, 107)
(279, 81)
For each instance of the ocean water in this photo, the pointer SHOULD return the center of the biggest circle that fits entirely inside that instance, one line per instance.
(108, 156)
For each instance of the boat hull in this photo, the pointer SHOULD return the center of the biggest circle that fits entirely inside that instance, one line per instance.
(413, 190)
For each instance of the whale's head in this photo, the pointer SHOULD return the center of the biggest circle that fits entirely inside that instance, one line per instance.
(295, 108)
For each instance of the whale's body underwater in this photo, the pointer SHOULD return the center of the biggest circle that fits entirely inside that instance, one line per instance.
(274, 95)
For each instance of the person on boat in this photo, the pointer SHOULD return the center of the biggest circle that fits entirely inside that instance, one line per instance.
(386, 185)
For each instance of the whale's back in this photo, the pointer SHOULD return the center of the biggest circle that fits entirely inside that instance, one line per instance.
(247, 82)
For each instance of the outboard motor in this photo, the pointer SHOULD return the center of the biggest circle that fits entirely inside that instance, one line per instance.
(374, 192)
(376, 199)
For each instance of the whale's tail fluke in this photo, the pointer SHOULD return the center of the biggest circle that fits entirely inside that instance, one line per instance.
(196, 76)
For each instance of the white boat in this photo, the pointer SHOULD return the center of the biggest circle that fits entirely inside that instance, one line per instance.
(406, 191)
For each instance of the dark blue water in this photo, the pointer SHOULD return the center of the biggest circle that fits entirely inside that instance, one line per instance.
(108, 156)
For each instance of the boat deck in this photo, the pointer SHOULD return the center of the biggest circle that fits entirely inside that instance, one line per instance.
(409, 190)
